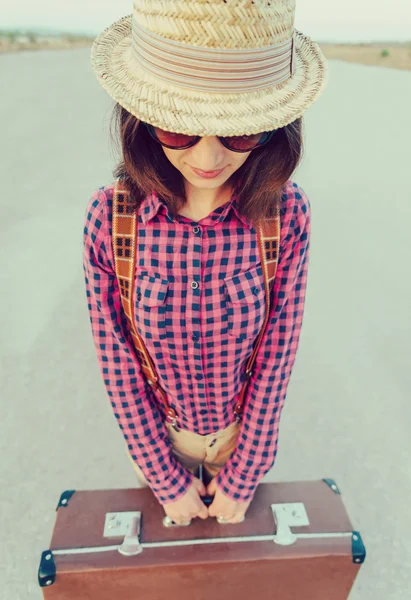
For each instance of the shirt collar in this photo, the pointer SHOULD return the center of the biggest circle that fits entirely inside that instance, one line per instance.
(152, 204)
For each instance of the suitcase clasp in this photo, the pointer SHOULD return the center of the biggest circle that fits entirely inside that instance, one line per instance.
(125, 524)
(292, 514)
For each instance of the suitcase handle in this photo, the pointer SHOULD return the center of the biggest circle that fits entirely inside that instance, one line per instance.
(207, 499)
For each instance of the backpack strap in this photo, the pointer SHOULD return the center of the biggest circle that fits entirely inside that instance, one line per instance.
(124, 236)
(268, 231)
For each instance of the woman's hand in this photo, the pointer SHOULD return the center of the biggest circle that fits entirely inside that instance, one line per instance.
(189, 505)
(231, 510)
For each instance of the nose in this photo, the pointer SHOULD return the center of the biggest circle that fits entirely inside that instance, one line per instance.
(208, 154)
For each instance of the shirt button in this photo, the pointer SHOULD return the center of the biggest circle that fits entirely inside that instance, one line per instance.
(194, 285)
(199, 376)
(196, 230)
(203, 411)
(196, 337)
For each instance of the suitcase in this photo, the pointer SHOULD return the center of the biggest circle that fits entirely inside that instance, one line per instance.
(295, 543)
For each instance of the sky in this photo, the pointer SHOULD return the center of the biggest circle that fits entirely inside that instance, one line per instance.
(323, 20)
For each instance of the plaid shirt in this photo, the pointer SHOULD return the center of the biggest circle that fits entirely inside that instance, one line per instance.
(199, 305)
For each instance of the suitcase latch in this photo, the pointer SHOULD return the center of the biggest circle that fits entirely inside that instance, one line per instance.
(125, 524)
(292, 514)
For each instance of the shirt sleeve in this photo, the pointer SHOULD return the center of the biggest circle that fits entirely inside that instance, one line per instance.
(129, 393)
(258, 437)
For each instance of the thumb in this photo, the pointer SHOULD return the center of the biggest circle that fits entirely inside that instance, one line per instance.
(200, 487)
(212, 487)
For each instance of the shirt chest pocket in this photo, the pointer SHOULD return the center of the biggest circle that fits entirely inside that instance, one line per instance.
(245, 303)
(150, 306)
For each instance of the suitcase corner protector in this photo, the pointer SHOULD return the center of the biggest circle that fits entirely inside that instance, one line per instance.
(65, 498)
(47, 569)
(358, 548)
(331, 483)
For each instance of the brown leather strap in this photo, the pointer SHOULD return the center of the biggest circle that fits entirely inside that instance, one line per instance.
(125, 235)
(124, 249)
(269, 243)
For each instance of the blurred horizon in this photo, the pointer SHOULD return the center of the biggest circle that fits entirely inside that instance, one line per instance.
(354, 21)
(57, 31)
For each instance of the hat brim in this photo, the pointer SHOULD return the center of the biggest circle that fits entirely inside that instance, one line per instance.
(184, 110)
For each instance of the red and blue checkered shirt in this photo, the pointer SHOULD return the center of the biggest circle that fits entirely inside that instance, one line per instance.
(199, 305)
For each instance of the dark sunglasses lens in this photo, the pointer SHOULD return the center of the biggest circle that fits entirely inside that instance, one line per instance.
(245, 143)
(175, 140)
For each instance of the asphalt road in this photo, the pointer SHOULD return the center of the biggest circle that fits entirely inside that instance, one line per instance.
(348, 411)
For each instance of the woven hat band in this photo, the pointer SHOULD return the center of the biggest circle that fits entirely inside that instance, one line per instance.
(212, 69)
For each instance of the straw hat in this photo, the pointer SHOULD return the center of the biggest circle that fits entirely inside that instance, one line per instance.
(210, 67)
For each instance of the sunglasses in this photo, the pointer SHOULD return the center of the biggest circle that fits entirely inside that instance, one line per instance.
(181, 141)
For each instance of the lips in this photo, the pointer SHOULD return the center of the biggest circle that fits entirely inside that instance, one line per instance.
(208, 173)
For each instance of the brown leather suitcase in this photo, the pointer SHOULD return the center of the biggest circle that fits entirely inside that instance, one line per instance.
(295, 543)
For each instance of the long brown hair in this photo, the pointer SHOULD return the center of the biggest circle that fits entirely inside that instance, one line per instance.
(145, 167)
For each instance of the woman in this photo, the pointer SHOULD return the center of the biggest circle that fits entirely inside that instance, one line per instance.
(209, 141)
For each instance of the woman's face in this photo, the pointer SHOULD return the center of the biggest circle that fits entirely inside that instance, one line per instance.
(208, 154)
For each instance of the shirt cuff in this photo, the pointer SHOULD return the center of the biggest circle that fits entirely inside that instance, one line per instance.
(175, 483)
(235, 485)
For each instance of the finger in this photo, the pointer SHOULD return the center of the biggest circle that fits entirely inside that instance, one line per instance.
(228, 519)
(203, 513)
(201, 488)
(212, 487)
(179, 520)
(237, 518)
